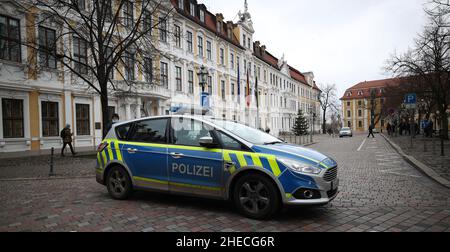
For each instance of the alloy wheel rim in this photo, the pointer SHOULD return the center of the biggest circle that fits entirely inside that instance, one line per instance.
(254, 197)
(117, 182)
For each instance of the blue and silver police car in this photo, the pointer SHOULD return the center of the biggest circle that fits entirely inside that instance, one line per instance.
(217, 159)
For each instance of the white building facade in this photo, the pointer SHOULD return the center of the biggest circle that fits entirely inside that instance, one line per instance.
(39, 98)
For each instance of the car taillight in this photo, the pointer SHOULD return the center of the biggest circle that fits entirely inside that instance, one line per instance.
(101, 147)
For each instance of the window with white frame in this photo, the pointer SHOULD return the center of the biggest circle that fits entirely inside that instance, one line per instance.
(148, 69)
(200, 46)
(10, 39)
(12, 117)
(83, 119)
(128, 15)
(192, 9)
(50, 118)
(178, 79)
(191, 81)
(164, 75)
(163, 29)
(209, 50)
(189, 42)
(129, 64)
(222, 56)
(47, 47)
(80, 55)
(202, 16)
(232, 60)
(177, 36)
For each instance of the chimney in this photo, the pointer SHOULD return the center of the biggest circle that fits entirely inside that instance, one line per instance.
(263, 50)
(257, 48)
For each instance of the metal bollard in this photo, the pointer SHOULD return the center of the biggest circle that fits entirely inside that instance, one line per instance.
(51, 174)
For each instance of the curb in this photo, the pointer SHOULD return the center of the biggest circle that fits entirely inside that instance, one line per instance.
(418, 165)
(44, 155)
(49, 178)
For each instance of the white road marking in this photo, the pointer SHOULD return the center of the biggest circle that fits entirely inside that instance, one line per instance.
(360, 147)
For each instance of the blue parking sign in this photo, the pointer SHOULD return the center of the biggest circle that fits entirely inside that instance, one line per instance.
(411, 99)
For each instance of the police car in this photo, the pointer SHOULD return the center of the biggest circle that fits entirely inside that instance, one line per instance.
(217, 159)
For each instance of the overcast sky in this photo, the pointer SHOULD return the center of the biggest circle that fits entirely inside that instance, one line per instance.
(341, 41)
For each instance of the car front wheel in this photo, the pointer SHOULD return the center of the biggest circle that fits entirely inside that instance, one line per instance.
(256, 197)
(118, 183)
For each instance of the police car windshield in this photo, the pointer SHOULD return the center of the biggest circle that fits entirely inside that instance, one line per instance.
(249, 134)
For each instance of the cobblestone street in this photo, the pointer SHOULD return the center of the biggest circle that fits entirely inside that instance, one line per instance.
(379, 192)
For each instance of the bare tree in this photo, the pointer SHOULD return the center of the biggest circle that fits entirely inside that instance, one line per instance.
(328, 100)
(429, 63)
(98, 38)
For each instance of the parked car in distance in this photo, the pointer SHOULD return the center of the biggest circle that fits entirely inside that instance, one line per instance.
(345, 132)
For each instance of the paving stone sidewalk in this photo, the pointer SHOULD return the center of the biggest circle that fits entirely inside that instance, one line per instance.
(33, 167)
(427, 151)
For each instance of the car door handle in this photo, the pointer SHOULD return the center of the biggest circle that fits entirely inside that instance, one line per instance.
(132, 151)
(176, 155)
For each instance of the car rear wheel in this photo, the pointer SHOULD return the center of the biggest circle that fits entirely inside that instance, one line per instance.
(118, 183)
(256, 197)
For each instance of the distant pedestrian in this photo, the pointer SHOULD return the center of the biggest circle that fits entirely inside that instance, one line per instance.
(268, 130)
(371, 132)
(66, 136)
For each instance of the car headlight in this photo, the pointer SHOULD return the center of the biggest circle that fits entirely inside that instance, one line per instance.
(300, 167)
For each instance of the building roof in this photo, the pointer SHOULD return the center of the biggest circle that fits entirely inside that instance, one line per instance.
(210, 22)
(211, 25)
(363, 89)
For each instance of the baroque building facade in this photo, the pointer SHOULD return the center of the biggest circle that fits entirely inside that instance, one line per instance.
(39, 97)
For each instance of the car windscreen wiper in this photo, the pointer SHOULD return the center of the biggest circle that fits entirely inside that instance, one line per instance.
(272, 143)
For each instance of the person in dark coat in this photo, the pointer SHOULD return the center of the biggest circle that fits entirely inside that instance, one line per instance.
(371, 132)
(66, 136)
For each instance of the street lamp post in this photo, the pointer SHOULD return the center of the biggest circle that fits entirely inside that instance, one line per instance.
(203, 81)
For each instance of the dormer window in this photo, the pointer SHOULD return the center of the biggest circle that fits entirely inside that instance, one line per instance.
(181, 4)
(192, 9)
(219, 26)
(202, 16)
(360, 93)
(349, 94)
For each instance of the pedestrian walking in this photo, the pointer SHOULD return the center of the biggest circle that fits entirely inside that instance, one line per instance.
(371, 132)
(66, 136)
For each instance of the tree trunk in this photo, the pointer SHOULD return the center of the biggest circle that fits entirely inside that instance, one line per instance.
(105, 117)
(324, 121)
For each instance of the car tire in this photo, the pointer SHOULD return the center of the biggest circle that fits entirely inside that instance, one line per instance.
(119, 183)
(256, 197)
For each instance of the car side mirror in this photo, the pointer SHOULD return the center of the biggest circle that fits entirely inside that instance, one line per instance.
(207, 142)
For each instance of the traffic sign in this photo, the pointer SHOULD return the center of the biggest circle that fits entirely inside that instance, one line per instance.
(411, 99)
